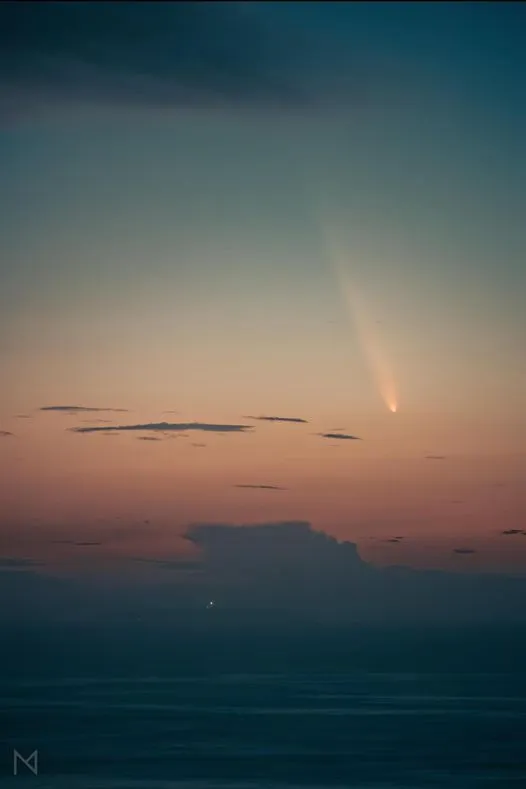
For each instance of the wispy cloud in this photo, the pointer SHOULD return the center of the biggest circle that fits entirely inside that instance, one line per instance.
(464, 551)
(179, 55)
(294, 419)
(340, 436)
(167, 427)
(100, 535)
(148, 438)
(14, 563)
(435, 457)
(178, 565)
(5, 434)
(261, 487)
(509, 532)
(78, 409)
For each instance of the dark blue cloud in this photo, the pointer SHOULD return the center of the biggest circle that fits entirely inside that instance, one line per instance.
(287, 566)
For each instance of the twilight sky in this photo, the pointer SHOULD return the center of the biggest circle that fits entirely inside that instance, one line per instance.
(216, 213)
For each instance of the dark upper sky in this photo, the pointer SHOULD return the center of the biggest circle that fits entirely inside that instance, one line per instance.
(287, 55)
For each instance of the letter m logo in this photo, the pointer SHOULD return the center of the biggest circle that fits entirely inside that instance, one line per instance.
(31, 762)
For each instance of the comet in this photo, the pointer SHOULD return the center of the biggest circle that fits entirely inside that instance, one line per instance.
(359, 313)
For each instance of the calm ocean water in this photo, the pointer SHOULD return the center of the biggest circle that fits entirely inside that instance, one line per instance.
(295, 728)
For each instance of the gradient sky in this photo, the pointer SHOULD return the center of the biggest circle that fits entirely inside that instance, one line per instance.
(181, 185)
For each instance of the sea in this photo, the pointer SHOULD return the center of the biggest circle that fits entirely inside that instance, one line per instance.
(152, 710)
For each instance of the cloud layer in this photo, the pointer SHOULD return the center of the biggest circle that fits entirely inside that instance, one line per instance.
(289, 567)
(265, 571)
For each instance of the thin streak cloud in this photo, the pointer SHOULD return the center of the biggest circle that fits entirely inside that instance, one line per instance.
(167, 427)
(340, 436)
(72, 409)
(261, 487)
(293, 419)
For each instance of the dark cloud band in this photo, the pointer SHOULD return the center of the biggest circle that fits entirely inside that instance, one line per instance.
(167, 427)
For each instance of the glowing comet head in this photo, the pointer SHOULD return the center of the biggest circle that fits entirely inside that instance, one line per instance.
(393, 407)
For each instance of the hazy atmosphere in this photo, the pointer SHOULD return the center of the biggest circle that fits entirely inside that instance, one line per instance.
(315, 216)
(262, 328)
